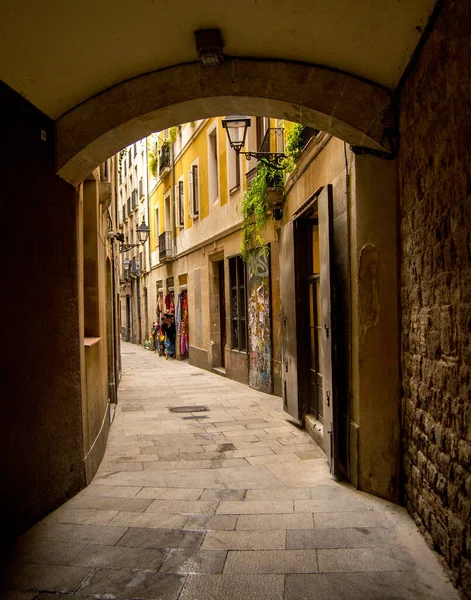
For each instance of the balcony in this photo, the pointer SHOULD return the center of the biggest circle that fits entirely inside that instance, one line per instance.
(166, 252)
(164, 160)
(306, 135)
(134, 199)
(272, 133)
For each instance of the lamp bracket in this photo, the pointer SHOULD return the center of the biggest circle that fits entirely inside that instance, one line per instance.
(272, 159)
(126, 247)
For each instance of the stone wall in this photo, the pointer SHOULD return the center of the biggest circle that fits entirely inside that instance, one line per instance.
(435, 204)
(41, 448)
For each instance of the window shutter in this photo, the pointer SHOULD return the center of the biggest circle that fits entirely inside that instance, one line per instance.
(181, 206)
(190, 194)
(196, 200)
(177, 205)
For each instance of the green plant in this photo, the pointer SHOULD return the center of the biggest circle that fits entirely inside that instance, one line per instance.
(254, 207)
(153, 162)
(294, 145)
(122, 155)
(172, 135)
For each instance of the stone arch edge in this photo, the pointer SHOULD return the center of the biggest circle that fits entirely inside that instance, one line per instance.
(347, 107)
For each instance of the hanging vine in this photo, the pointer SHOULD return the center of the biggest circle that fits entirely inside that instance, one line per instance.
(255, 207)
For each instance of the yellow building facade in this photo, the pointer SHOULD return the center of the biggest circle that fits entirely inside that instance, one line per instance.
(195, 247)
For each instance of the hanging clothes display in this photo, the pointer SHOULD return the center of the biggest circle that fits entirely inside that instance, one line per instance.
(182, 323)
(159, 313)
(168, 328)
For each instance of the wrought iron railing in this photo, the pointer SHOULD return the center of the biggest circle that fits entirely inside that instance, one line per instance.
(164, 158)
(166, 252)
(307, 134)
(272, 133)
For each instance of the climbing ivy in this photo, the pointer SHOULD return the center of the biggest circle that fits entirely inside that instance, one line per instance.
(293, 147)
(254, 207)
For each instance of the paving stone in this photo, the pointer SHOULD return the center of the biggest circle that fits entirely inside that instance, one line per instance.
(273, 522)
(246, 452)
(223, 494)
(184, 507)
(363, 559)
(255, 507)
(170, 493)
(222, 463)
(133, 478)
(206, 522)
(358, 537)
(170, 465)
(117, 466)
(128, 583)
(91, 502)
(53, 553)
(248, 478)
(279, 494)
(273, 459)
(197, 478)
(271, 561)
(335, 520)
(15, 595)
(47, 578)
(325, 505)
(244, 540)
(161, 538)
(233, 587)
(149, 519)
(94, 555)
(83, 516)
(185, 562)
(64, 532)
(361, 586)
(111, 491)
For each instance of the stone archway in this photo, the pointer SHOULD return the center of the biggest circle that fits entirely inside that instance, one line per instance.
(349, 108)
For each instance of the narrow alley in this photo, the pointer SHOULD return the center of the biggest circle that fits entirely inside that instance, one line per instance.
(234, 502)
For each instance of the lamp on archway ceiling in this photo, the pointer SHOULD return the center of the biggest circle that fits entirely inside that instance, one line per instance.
(236, 130)
(143, 232)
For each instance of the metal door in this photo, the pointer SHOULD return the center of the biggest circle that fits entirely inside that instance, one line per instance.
(326, 294)
(289, 358)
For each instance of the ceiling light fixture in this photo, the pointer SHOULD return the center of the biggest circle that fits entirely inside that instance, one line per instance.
(209, 46)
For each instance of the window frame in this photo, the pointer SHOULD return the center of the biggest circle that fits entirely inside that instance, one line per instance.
(238, 292)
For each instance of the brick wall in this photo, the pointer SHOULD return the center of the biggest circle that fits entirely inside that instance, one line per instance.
(435, 204)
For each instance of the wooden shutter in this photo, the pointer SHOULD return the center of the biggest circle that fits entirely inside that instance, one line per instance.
(190, 193)
(196, 196)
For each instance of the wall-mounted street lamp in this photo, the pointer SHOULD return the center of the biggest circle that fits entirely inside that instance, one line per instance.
(126, 266)
(236, 130)
(209, 46)
(143, 232)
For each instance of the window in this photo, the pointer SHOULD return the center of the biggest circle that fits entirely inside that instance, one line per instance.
(193, 188)
(238, 304)
(213, 166)
(167, 215)
(157, 227)
(180, 204)
(233, 177)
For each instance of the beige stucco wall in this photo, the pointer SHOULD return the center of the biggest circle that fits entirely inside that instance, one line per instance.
(365, 274)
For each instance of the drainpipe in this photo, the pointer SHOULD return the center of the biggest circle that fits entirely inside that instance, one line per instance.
(172, 216)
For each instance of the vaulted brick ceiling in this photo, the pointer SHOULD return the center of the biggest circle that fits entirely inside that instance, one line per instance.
(59, 54)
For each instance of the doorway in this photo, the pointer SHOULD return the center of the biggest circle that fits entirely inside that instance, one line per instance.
(222, 313)
(314, 347)
(128, 318)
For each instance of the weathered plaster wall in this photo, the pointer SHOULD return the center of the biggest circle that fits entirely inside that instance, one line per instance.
(41, 458)
(435, 191)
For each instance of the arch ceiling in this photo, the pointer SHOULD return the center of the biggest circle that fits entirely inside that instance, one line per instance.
(58, 54)
(112, 71)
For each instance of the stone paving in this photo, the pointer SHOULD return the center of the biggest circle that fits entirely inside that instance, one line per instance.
(231, 504)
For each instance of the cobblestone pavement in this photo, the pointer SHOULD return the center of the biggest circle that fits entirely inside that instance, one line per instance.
(230, 504)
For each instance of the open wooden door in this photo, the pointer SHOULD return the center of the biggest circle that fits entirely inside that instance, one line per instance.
(325, 216)
(289, 357)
